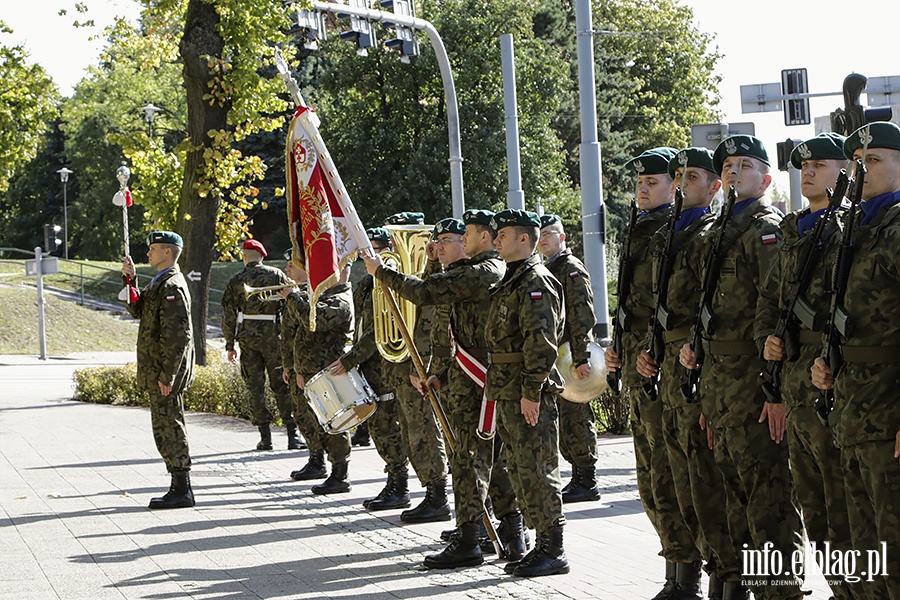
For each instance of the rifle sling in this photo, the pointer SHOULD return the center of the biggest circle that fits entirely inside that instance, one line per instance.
(677, 334)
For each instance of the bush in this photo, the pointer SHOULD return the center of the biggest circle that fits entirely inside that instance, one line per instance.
(612, 412)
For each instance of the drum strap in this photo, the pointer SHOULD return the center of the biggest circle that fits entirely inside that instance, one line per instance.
(477, 372)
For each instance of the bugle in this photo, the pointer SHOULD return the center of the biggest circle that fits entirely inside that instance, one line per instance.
(268, 292)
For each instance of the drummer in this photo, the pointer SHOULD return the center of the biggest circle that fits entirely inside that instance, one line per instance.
(577, 429)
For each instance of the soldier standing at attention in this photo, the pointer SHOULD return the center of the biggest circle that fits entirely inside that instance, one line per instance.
(254, 324)
(577, 429)
(165, 359)
(654, 193)
(815, 460)
(760, 502)
(866, 416)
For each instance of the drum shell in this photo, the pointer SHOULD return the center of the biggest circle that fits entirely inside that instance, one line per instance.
(340, 402)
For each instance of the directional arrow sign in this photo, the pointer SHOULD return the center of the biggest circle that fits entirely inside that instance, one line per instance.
(194, 276)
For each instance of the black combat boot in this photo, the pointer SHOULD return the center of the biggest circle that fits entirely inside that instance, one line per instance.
(265, 438)
(337, 482)
(512, 536)
(433, 508)
(462, 551)
(394, 495)
(361, 437)
(313, 469)
(179, 495)
(576, 479)
(586, 489)
(716, 587)
(448, 534)
(733, 590)
(550, 560)
(669, 587)
(295, 442)
(687, 581)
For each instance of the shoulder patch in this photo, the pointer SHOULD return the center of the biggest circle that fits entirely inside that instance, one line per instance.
(574, 274)
(769, 238)
(537, 295)
(171, 298)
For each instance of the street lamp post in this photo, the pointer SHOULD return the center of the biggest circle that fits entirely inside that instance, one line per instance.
(64, 177)
(149, 116)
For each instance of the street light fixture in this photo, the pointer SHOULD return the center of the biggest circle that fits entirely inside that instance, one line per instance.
(149, 116)
(64, 177)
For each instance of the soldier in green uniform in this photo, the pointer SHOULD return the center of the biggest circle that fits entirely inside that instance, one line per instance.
(866, 416)
(815, 460)
(165, 359)
(577, 429)
(760, 502)
(253, 323)
(698, 482)
(655, 191)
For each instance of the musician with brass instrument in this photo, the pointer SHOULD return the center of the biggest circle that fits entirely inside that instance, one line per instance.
(254, 324)
(577, 429)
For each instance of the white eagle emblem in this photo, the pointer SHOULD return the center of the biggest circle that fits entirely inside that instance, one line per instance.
(638, 166)
(682, 158)
(865, 138)
(804, 151)
(730, 146)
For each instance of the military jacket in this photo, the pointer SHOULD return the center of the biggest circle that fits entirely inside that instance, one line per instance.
(235, 304)
(866, 405)
(165, 347)
(296, 308)
(579, 303)
(315, 350)
(526, 318)
(639, 303)
(796, 386)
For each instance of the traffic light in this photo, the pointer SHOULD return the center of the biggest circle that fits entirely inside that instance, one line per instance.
(853, 116)
(361, 31)
(405, 38)
(51, 239)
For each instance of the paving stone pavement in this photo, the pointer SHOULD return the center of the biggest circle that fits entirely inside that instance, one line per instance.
(76, 479)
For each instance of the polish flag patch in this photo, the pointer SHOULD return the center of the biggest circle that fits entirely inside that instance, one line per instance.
(574, 274)
(769, 239)
(537, 295)
(170, 298)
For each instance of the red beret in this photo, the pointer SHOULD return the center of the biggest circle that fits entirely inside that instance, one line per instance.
(255, 245)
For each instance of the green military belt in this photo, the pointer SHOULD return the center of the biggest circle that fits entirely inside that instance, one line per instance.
(808, 337)
(681, 333)
(730, 347)
(505, 357)
(871, 354)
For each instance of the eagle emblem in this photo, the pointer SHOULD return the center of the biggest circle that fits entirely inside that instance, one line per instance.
(638, 166)
(865, 138)
(730, 146)
(682, 158)
(804, 151)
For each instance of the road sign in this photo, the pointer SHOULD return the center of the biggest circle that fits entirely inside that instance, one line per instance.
(708, 135)
(758, 97)
(796, 111)
(194, 276)
(49, 266)
(880, 90)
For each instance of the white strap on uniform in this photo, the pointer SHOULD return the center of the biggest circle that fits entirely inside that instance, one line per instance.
(243, 317)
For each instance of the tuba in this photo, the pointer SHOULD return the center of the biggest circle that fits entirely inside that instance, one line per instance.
(408, 257)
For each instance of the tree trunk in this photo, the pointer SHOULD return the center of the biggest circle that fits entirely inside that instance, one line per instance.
(196, 215)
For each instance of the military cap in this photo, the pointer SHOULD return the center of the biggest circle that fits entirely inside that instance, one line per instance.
(882, 134)
(288, 254)
(823, 146)
(379, 234)
(514, 216)
(255, 245)
(165, 237)
(406, 218)
(476, 216)
(450, 225)
(692, 157)
(739, 145)
(548, 220)
(653, 161)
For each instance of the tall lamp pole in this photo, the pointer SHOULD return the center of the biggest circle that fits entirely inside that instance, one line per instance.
(149, 116)
(64, 177)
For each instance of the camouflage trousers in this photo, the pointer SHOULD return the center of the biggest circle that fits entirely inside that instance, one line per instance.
(260, 357)
(577, 433)
(384, 427)
(819, 483)
(169, 430)
(421, 434)
(309, 429)
(699, 489)
(337, 446)
(532, 459)
(872, 485)
(656, 486)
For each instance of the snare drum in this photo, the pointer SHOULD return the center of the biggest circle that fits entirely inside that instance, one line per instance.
(341, 402)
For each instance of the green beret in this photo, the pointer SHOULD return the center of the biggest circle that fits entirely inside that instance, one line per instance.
(379, 234)
(823, 146)
(692, 157)
(476, 216)
(548, 220)
(165, 237)
(514, 216)
(448, 226)
(406, 218)
(739, 145)
(652, 162)
(881, 134)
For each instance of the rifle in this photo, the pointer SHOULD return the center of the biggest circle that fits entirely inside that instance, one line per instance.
(622, 321)
(796, 310)
(839, 327)
(704, 321)
(660, 319)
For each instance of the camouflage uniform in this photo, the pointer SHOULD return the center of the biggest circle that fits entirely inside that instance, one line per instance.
(464, 287)
(296, 311)
(815, 460)
(525, 325)
(315, 350)
(761, 505)
(165, 353)
(866, 415)
(253, 323)
(577, 430)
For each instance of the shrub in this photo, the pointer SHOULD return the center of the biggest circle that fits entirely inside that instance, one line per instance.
(612, 412)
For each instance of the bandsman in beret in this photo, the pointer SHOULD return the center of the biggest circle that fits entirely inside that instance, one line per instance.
(405, 218)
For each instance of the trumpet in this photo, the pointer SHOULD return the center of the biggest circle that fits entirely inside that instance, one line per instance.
(269, 292)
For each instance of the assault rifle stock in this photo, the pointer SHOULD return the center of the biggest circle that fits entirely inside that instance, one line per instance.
(622, 321)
